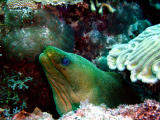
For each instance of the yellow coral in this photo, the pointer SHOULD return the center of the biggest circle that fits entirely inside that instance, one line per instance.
(13, 4)
(58, 2)
(141, 56)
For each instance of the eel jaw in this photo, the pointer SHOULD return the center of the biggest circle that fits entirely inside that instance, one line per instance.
(62, 91)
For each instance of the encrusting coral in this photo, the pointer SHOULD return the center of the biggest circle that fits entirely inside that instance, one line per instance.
(18, 12)
(88, 111)
(148, 110)
(141, 56)
(58, 2)
(28, 42)
(14, 4)
(37, 114)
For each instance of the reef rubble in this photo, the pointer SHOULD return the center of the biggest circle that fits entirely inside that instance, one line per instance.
(148, 110)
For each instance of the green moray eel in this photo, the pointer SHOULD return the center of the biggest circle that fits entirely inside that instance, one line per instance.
(74, 79)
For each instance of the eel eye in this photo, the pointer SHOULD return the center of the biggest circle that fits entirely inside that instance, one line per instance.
(65, 61)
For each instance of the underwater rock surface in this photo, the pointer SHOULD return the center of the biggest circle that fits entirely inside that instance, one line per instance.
(148, 110)
(27, 43)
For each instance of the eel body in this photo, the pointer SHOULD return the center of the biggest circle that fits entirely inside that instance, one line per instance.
(74, 79)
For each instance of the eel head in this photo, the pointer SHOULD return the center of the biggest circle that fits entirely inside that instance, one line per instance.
(71, 77)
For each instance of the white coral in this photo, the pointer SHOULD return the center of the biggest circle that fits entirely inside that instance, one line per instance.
(58, 2)
(88, 111)
(141, 56)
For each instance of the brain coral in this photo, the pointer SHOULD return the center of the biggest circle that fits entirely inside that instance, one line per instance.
(141, 56)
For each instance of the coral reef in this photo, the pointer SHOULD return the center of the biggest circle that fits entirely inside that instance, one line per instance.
(107, 41)
(140, 56)
(14, 4)
(37, 95)
(100, 6)
(28, 42)
(91, 44)
(19, 13)
(11, 89)
(37, 114)
(155, 4)
(59, 2)
(18, 17)
(138, 27)
(148, 110)
(125, 15)
(88, 111)
(95, 34)
(98, 33)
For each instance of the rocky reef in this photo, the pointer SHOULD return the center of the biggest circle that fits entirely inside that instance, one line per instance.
(27, 42)
(149, 110)
(90, 29)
